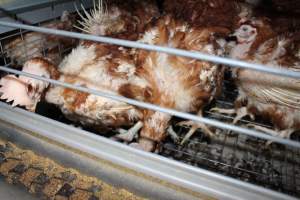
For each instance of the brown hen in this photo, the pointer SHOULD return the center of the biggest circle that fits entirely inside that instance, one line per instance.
(275, 98)
(93, 65)
(175, 82)
(206, 13)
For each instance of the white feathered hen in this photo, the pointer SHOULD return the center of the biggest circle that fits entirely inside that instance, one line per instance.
(34, 44)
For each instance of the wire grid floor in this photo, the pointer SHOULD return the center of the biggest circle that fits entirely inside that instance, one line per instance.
(246, 158)
(239, 156)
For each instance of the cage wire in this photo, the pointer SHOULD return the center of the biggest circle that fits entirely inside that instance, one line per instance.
(240, 156)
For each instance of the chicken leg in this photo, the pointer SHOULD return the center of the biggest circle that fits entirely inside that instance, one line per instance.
(277, 133)
(193, 127)
(129, 135)
(240, 113)
(173, 134)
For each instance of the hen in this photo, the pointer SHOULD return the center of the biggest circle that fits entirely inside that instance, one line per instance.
(175, 82)
(102, 67)
(34, 44)
(273, 97)
(26, 91)
(93, 65)
(207, 13)
(114, 17)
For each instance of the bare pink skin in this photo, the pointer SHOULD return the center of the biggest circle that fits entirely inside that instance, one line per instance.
(13, 89)
(22, 90)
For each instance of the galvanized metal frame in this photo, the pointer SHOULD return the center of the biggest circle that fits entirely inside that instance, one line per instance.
(195, 179)
(32, 12)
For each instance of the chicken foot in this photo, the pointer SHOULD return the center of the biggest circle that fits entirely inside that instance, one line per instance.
(193, 127)
(149, 145)
(240, 113)
(277, 133)
(173, 135)
(129, 135)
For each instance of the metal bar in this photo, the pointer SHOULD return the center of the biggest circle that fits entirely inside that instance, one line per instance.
(160, 109)
(119, 176)
(12, 16)
(174, 51)
(32, 5)
(195, 179)
(2, 53)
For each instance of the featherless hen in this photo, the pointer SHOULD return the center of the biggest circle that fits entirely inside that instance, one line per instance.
(93, 65)
(275, 98)
(96, 66)
(24, 91)
(115, 17)
(175, 82)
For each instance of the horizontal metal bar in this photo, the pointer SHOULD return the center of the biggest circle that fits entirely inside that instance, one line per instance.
(174, 51)
(186, 176)
(29, 5)
(161, 109)
(27, 138)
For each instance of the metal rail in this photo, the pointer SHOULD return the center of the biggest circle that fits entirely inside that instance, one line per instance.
(160, 109)
(174, 51)
(195, 179)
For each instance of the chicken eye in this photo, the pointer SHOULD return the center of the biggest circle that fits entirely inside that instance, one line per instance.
(245, 29)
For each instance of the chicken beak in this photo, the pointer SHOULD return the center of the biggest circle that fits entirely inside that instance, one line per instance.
(231, 38)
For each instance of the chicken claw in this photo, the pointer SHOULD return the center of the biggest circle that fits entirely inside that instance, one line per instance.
(128, 135)
(277, 133)
(193, 127)
(240, 113)
(173, 134)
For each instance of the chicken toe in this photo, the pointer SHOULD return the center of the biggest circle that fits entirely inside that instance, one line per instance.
(223, 111)
(240, 113)
(128, 135)
(173, 134)
(277, 133)
(193, 127)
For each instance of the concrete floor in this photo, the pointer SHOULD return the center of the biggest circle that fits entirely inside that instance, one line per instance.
(13, 192)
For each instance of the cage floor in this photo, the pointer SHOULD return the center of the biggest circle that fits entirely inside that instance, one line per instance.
(239, 156)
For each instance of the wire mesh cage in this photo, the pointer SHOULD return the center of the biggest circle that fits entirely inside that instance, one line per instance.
(241, 156)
